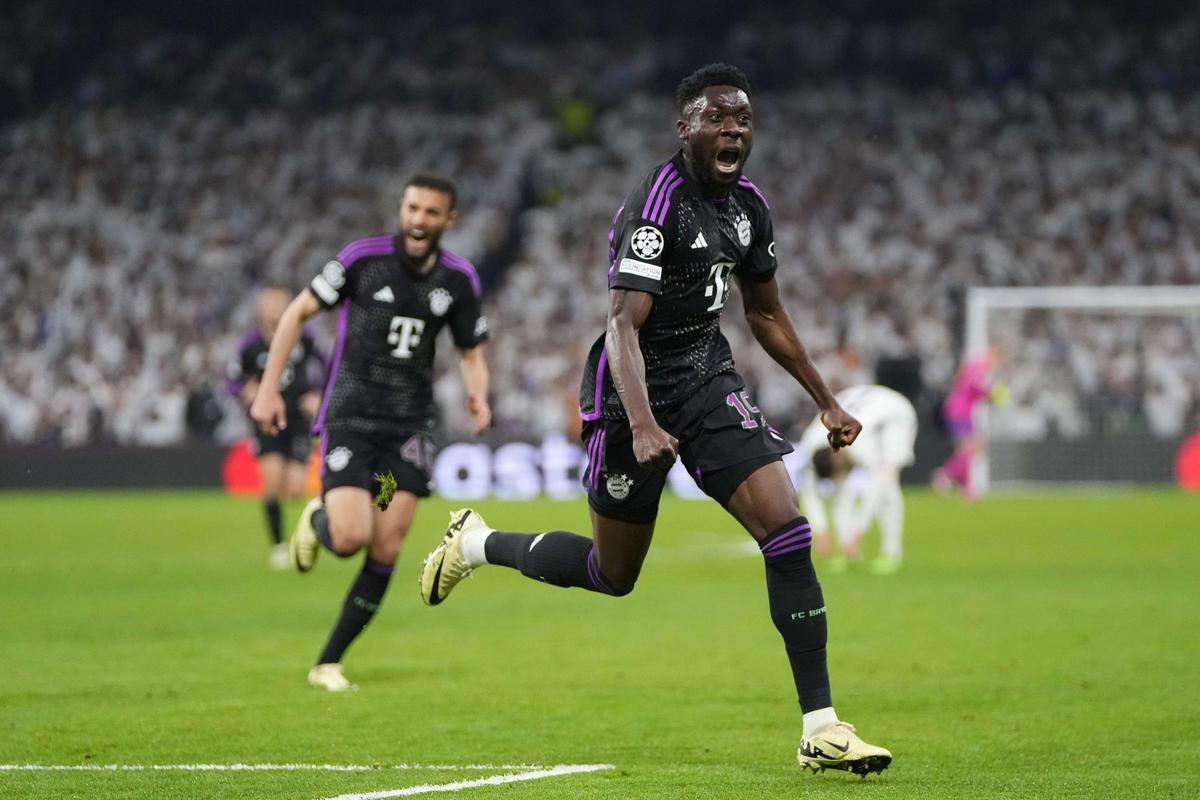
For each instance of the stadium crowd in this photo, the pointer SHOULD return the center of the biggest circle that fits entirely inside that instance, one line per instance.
(163, 183)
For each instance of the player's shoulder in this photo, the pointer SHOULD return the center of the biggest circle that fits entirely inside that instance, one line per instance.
(253, 338)
(463, 267)
(752, 196)
(359, 249)
(651, 198)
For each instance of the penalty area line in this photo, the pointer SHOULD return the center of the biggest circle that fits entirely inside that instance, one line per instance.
(494, 780)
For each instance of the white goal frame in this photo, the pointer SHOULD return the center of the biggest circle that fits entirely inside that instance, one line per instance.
(981, 301)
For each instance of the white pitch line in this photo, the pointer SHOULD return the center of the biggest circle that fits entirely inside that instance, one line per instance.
(255, 767)
(495, 780)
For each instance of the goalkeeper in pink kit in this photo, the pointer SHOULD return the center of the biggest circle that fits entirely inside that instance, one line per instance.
(972, 385)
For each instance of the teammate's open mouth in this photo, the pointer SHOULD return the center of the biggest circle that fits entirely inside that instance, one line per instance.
(728, 159)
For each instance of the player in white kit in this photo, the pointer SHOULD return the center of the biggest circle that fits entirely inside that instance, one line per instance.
(865, 478)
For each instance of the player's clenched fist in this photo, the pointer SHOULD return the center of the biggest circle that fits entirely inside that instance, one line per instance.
(268, 411)
(843, 428)
(655, 448)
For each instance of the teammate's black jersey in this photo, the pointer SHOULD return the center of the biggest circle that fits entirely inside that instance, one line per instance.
(381, 377)
(672, 241)
(302, 372)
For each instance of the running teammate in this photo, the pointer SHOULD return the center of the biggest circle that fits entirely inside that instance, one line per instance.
(660, 384)
(394, 294)
(282, 457)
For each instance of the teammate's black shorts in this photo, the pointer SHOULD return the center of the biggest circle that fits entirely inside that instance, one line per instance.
(354, 459)
(723, 438)
(293, 443)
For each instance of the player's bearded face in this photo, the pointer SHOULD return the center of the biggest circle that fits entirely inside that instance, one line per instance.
(717, 131)
(424, 215)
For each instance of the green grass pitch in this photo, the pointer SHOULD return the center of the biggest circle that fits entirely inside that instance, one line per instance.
(1044, 646)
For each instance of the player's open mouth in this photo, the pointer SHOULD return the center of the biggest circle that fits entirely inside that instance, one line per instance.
(727, 160)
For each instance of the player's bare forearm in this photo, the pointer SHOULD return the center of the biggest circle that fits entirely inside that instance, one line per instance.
(476, 378)
(627, 312)
(775, 333)
(653, 447)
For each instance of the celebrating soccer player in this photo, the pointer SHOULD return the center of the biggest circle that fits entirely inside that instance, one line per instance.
(660, 384)
(395, 294)
(283, 456)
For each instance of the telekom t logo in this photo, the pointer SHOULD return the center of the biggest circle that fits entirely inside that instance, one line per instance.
(405, 334)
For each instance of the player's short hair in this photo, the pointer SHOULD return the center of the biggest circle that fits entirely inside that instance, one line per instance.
(427, 180)
(822, 461)
(718, 74)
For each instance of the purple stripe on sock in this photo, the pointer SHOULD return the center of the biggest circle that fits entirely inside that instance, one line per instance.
(792, 548)
(786, 542)
(595, 575)
(661, 216)
(799, 530)
(598, 400)
(460, 264)
(745, 182)
(380, 569)
(343, 323)
(666, 173)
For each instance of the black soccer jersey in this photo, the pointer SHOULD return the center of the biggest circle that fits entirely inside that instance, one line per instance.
(672, 241)
(302, 372)
(381, 376)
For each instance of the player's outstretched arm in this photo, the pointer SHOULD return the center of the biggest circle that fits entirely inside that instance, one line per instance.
(773, 328)
(475, 377)
(268, 408)
(628, 309)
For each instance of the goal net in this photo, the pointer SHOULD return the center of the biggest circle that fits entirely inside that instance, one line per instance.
(1092, 384)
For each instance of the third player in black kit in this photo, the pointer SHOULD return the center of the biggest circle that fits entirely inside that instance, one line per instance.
(394, 294)
(660, 384)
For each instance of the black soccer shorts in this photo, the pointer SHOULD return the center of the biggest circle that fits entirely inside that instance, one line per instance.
(293, 443)
(354, 459)
(723, 438)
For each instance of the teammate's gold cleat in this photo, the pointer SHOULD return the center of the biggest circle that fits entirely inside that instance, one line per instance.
(330, 678)
(304, 545)
(446, 566)
(838, 746)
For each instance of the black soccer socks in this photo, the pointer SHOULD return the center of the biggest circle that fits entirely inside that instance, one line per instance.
(557, 557)
(274, 519)
(362, 602)
(798, 609)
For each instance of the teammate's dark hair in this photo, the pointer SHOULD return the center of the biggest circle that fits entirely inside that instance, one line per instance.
(822, 461)
(718, 74)
(437, 183)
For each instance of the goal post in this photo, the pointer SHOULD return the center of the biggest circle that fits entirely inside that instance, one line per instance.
(1102, 383)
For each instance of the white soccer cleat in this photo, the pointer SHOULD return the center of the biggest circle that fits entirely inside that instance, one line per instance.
(838, 746)
(280, 558)
(330, 678)
(446, 565)
(304, 546)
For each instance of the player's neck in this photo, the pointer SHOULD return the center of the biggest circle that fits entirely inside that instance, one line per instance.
(706, 187)
(418, 266)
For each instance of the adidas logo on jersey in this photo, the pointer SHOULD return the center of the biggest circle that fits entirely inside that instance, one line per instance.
(700, 242)
(385, 295)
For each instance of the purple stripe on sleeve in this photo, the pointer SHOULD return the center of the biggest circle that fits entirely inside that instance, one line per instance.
(652, 200)
(374, 246)
(660, 216)
(598, 402)
(343, 323)
(460, 264)
(745, 182)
